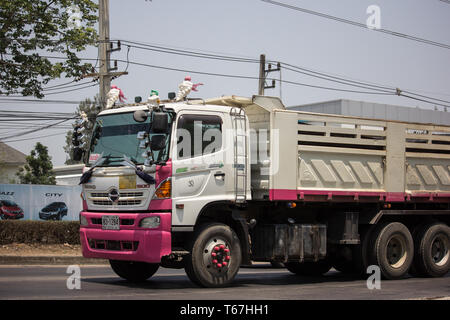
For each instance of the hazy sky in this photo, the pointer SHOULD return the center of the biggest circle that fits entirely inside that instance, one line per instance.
(252, 27)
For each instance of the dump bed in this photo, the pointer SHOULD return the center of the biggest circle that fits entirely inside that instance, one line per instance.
(307, 156)
(318, 157)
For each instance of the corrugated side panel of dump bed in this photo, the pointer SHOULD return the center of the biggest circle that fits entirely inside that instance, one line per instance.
(316, 157)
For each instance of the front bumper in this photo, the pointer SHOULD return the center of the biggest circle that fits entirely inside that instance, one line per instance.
(131, 242)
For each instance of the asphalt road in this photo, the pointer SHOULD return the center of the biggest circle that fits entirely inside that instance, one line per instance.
(262, 282)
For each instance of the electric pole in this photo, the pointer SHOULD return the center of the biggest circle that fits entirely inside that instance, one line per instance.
(103, 48)
(104, 52)
(263, 72)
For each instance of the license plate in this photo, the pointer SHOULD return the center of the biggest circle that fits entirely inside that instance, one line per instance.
(110, 222)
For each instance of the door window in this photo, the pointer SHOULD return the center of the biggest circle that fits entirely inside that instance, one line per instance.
(198, 135)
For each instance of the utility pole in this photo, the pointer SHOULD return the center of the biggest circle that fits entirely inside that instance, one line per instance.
(263, 72)
(104, 52)
(103, 49)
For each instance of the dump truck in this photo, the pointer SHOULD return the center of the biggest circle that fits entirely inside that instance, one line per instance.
(211, 185)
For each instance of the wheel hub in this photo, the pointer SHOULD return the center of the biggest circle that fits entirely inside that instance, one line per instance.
(216, 255)
(440, 250)
(396, 252)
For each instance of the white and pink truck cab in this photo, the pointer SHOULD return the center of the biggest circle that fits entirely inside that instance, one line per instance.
(209, 185)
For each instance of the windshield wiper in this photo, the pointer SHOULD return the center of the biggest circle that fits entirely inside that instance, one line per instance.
(139, 172)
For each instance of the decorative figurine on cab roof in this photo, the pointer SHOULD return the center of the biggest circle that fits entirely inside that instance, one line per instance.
(153, 100)
(113, 95)
(185, 88)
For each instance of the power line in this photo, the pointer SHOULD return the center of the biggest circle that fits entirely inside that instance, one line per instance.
(376, 89)
(33, 138)
(302, 70)
(69, 85)
(358, 24)
(72, 90)
(34, 130)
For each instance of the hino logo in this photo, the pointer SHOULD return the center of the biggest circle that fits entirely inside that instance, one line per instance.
(113, 195)
(7, 193)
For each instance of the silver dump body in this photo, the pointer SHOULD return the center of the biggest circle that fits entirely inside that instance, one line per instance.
(321, 157)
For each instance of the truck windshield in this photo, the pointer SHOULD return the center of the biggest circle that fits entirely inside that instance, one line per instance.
(115, 135)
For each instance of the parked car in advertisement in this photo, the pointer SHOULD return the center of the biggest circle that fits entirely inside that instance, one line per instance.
(53, 211)
(10, 210)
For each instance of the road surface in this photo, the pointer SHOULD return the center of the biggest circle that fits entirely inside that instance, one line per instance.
(259, 283)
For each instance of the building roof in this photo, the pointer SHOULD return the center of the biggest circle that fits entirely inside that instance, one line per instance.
(9, 155)
(372, 110)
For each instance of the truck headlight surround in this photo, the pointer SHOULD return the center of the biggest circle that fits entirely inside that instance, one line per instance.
(164, 190)
(83, 220)
(150, 222)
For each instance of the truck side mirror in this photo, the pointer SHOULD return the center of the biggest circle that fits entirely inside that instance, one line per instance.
(158, 142)
(140, 116)
(160, 123)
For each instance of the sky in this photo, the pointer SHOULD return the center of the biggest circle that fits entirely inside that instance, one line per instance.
(252, 27)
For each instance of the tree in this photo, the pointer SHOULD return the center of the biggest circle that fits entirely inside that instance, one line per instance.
(31, 29)
(91, 108)
(38, 167)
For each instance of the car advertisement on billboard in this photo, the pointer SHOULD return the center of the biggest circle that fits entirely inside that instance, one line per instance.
(39, 202)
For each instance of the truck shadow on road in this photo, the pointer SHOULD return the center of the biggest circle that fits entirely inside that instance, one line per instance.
(245, 278)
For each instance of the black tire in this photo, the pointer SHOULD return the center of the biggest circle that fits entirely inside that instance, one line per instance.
(344, 266)
(432, 250)
(219, 270)
(360, 253)
(134, 271)
(392, 249)
(342, 259)
(276, 264)
(309, 268)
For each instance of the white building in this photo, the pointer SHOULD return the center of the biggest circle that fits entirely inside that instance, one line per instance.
(377, 111)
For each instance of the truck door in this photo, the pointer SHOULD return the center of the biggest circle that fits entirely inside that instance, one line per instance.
(200, 171)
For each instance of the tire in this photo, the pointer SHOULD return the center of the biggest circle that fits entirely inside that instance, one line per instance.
(432, 250)
(309, 268)
(215, 256)
(392, 249)
(276, 264)
(342, 260)
(360, 253)
(134, 271)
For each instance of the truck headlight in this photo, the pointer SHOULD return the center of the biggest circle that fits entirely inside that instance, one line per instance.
(164, 190)
(150, 222)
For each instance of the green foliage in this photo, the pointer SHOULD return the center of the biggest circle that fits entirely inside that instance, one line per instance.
(38, 169)
(30, 30)
(48, 232)
(91, 108)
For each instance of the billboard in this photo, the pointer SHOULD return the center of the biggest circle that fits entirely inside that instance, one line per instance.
(40, 202)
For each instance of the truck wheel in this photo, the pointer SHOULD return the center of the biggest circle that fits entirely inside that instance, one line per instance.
(360, 253)
(215, 256)
(309, 268)
(432, 250)
(134, 271)
(392, 249)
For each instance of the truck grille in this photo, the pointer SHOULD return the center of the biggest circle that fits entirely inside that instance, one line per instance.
(113, 245)
(120, 202)
(122, 194)
(126, 198)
